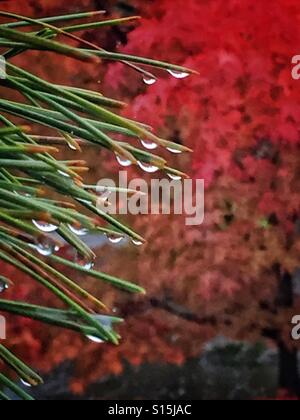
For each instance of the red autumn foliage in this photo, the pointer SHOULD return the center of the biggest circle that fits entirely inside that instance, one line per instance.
(241, 115)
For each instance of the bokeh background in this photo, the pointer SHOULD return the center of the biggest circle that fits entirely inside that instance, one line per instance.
(216, 323)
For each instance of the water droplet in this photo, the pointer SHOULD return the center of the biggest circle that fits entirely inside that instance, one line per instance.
(85, 262)
(147, 167)
(25, 383)
(78, 231)
(24, 194)
(114, 238)
(85, 201)
(174, 177)
(123, 161)
(3, 286)
(149, 80)
(175, 151)
(137, 242)
(105, 320)
(178, 74)
(45, 247)
(72, 146)
(94, 339)
(149, 145)
(44, 226)
(64, 174)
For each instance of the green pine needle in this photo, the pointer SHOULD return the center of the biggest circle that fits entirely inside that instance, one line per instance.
(29, 172)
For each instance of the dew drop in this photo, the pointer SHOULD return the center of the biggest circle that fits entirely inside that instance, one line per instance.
(78, 231)
(137, 242)
(23, 194)
(44, 226)
(150, 169)
(45, 247)
(149, 80)
(85, 262)
(149, 145)
(95, 339)
(25, 383)
(123, 161)
(3, 286)
(175, 151)
(114, 238)
(105, 321)
(178, 74)
(64, 174)
(85, 201)
(174, 177)
(72, 146)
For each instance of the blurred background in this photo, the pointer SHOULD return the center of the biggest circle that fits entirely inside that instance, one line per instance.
(216, 322)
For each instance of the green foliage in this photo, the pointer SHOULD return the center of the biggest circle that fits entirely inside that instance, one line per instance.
(28, 168)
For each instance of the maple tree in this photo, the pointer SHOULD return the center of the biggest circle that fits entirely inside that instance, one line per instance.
(241, 116)
(234, 274)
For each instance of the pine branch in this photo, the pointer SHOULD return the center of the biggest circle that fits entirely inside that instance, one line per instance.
(28, 168)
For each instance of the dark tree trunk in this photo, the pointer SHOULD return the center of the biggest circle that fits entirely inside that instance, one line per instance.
(288, 370)
(289, 378)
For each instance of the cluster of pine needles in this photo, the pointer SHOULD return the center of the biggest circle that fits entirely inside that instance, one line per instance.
(30, 174)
